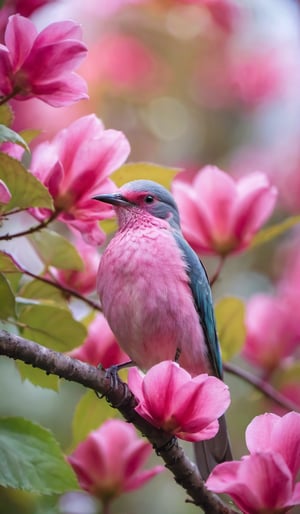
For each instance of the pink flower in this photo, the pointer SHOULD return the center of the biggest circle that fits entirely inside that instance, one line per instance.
(5, 194)
(100, 346)
(84, 280)
(264, 481)
(271, 331)
(220, 215)
(108, 462)
(169, 398)
(74, 167)
(40, 65)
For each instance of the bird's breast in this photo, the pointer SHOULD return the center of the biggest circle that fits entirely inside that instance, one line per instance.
(144, 289)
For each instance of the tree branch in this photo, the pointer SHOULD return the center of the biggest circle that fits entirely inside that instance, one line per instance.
(118, 395)
(262, 386)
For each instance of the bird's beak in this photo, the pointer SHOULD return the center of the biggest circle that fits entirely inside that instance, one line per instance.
(113, 199)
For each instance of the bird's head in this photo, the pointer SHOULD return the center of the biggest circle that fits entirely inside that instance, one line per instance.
(141, 197)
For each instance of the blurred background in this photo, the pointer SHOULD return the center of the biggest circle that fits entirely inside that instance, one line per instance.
(190, 83)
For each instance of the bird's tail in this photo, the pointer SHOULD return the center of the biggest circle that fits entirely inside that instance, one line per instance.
(213, 451)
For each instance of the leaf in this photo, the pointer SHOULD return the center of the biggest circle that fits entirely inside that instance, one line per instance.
(8, 263)
(144, 170)
(90, 413)
(55, 250)
(29, 134)
(6, 114)
(52, 326)
(9, 135)
(230, 314)
(31, 459)
(26, 190)
(37, 376)
(7, 299)
(269, 233)
(109, 225)
(37, 290)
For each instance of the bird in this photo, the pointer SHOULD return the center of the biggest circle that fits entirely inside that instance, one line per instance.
(156, 296)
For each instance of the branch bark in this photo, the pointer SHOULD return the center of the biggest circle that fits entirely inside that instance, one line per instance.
(118, 395)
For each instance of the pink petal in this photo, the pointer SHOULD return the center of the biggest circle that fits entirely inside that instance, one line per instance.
(135, 382)
(91, 232)
(5, 71)
(59, 31)
(278, 434)
(160, 386)
(255, 202)
(207, 432)
(260, 481)
(53, 61)
(19, 38)
(5, 194)
(195, 225)
(216, 195)
(59, 93)
(295, 500)
(141, 478)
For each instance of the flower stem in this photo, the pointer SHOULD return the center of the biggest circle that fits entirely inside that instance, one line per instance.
(65, 290)
(215, 277)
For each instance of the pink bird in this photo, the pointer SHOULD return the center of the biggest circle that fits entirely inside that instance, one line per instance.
(156, 296)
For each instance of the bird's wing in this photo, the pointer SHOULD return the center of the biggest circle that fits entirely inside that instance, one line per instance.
(201, 291)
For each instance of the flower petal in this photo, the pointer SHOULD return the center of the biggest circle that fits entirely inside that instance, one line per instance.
(19, 38)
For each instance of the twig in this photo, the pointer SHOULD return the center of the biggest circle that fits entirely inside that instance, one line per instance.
(262, 386)
(215, 276)
(31, 230)
(117, 393)
(64, 289)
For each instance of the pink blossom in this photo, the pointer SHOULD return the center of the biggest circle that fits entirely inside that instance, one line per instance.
(100, 346)
(84, 280)
(271, 331)
(220, 215)
(169, 398)
(5, 194)
(74, 167)
(108, 463)
(264, 481)
(41, 65)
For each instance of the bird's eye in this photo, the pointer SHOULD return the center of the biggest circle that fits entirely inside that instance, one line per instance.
(149, 199)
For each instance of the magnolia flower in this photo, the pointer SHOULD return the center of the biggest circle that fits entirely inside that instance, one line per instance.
(220, 215)
(100, 346)
(74, 167)
(41, 65)
(108, 462)
(271, 331)
(169, 398)
(264, 481)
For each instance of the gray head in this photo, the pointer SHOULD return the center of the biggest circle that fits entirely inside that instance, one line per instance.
(146, 195)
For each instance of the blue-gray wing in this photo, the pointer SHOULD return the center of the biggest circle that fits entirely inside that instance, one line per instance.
(201, 291)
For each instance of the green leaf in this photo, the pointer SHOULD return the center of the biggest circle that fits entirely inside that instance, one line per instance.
(37, 376)
(52, 326)
(90, 413)
(109, 225)
(6, 115)
(27, 191)
(8, 264)
(31, 459)
(37, 290)
(9, 135)
(7, 299)
(55, 250)
(29, 135)
(230, 315)
(144, 170)
(269, 233)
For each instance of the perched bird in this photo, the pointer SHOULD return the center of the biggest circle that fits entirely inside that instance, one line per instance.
(156, 296)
